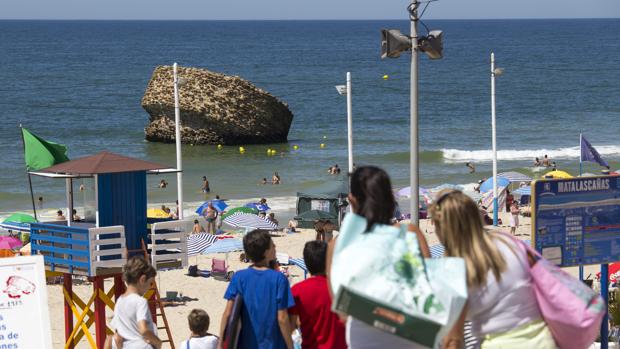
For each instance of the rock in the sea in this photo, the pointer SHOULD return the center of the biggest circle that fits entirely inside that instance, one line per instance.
(215, 109)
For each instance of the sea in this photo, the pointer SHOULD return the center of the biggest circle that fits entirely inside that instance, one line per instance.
(80, 83)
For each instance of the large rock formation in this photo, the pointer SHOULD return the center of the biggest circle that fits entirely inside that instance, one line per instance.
(215, 109)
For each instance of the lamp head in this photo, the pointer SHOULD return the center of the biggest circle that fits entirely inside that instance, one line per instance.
(432, 44)
(393, 42)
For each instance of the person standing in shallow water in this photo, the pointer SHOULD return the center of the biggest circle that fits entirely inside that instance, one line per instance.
(205, 185)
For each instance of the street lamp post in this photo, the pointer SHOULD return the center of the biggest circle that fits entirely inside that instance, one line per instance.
(177, 136)
(393, 42)
(494, 72)
(345, 90)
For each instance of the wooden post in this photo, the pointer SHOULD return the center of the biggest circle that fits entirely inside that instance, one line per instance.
(68, 285)
(119, 286)
(100, 324)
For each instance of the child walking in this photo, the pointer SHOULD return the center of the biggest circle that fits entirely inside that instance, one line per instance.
(266, 298)
(200, 338)
(132, 321)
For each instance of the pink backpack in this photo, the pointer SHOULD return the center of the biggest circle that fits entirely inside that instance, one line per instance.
(572, 311)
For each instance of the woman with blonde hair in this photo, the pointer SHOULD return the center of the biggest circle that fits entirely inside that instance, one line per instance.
(501, 302)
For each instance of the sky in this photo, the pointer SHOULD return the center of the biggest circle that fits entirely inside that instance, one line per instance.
(296, 9)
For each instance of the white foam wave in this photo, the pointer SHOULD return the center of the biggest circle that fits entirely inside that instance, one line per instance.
(457, 155)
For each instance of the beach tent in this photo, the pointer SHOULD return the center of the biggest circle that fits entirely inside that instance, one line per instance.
(515, 177)
(329, 198)
(488, 184)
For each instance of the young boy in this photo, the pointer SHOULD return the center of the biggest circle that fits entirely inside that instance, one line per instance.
(132, 319)
(198, 320)
(320, 328)
(266, 298)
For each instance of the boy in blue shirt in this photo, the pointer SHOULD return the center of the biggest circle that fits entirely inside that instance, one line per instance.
(266, 298)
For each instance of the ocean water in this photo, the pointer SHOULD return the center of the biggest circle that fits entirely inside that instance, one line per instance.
(80, 83)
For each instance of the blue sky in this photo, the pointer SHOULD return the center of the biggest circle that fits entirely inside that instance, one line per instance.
(297, 9)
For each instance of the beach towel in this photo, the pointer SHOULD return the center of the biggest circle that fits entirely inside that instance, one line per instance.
(380, 278)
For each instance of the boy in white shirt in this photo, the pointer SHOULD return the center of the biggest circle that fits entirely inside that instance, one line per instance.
(198, 320)
(132, 321)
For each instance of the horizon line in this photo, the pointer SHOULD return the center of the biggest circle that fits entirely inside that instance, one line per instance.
(296, 19)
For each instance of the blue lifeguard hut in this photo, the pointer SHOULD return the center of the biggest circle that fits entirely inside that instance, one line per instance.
(115, 226)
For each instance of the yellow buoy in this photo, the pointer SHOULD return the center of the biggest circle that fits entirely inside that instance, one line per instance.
(219, 147)
(322, 145)
(295, 147)
(241, 150)
(385, 77)
(274, 152)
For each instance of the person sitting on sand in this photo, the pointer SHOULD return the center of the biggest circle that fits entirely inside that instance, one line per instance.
(76, 218)
(60, 216)
(546, 161)
(163, 184)
(292, 226)
(537, 162)
(276, 178)
(197, 229)
(199, 338)
(272, 218)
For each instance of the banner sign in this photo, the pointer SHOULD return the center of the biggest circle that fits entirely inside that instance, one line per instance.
(577, 221)
(24, 315)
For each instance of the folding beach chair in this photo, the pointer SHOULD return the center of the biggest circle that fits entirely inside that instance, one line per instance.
(219, 267)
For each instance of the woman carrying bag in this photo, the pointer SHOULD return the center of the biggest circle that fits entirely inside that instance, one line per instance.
(372, 203)
(502, 303)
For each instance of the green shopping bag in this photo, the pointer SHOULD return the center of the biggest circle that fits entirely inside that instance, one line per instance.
(380, 278)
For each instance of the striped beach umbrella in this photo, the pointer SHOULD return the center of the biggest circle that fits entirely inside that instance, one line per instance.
(513, 176)
(249, 221)
(197, 243)
(224, 246)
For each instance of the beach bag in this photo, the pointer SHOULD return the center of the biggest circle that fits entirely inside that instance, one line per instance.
(572, 311)
(380, 278)
(192, 271)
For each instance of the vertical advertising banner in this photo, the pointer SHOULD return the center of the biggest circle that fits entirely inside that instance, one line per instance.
(24, 315)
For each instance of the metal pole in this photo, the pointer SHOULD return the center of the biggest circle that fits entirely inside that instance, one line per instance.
(414, 113)
(580, 171)
(350, 122)
(177, 136)
(495, 205)
(605, 295)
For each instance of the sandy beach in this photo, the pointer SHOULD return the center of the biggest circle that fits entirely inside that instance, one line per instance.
(207, 293)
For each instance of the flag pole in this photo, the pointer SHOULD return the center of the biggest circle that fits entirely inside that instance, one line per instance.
(580, 173)
(34, 208)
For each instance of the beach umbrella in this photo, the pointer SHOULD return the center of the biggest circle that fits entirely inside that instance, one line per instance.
(558, 174)
(4, 245)
(23, 227)
(20, 218)
(613, 272)
(258, 206)
(515, 176)
(523, 191)
(224, 246)
(219, 205)
(406, 192)
(249, 221)
(488, 184)
(445, 186)
(587, 174)
(232, 211)
(197, 243)
(156, 213)
(13, 242)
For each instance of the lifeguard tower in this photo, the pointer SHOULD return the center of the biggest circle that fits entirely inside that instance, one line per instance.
(115, 226)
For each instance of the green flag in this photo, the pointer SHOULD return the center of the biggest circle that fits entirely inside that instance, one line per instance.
(39, 153)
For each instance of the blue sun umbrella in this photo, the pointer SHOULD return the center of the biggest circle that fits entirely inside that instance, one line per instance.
(488, 184)
(258, 206)
(219, 206)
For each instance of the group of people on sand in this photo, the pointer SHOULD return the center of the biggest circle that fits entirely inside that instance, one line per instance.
(501, 304)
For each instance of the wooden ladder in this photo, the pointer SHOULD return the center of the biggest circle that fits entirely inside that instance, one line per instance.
(154, 299)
